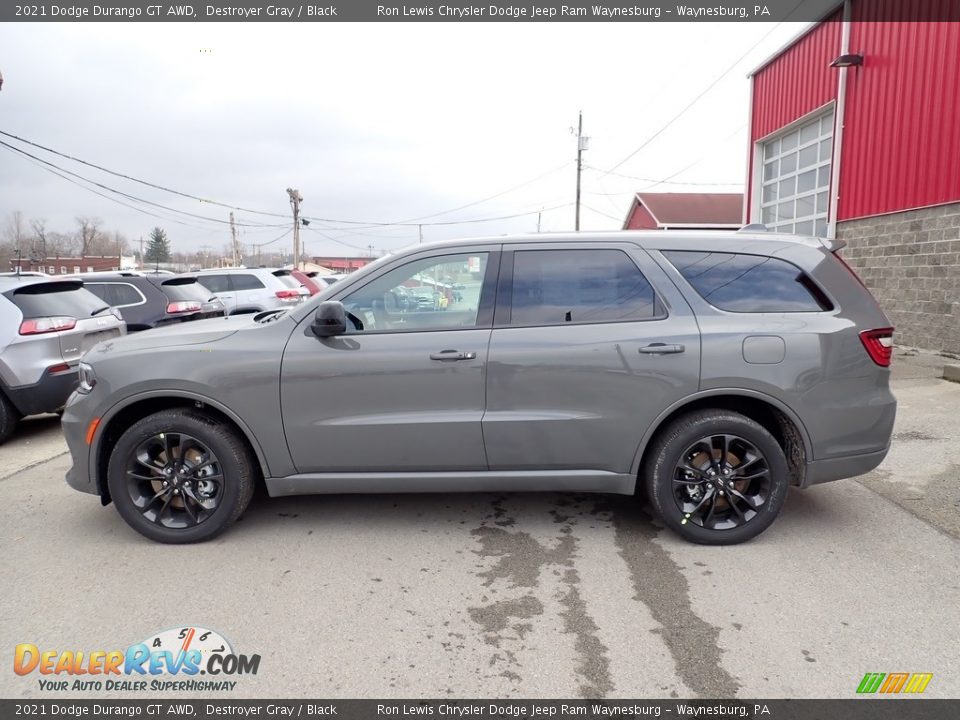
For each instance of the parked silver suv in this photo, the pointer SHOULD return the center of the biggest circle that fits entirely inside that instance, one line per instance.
(712, 369)
(251, 290)
(45, 326)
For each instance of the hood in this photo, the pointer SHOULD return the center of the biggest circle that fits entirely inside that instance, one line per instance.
(196, 332)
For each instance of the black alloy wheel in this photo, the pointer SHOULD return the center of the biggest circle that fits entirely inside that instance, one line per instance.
(180, 476)
(174, 480)
(716, 477)
(721, 482)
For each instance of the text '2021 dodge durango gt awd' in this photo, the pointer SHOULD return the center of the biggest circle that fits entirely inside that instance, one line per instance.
(713, 369)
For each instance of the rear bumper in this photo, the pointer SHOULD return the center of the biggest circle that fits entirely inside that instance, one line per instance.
(74, 426)
(48, 394)
(821, 471)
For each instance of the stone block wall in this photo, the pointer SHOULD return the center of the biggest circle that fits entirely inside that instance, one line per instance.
(911, 263)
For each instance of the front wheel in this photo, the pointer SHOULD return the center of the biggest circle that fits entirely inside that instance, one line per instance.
(716, 477)
(178, 476)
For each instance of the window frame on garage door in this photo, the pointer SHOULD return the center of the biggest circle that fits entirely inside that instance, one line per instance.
(807, 211)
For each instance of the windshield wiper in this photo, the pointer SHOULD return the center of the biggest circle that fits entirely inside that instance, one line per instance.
(99, 310)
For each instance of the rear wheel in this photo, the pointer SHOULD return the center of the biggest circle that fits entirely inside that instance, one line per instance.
(717, 477)
(9, 418)
(180, 477)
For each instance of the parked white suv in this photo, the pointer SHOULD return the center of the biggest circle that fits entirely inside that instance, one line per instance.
(251, 290)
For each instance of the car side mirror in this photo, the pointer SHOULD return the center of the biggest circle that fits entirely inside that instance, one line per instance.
(329, 320)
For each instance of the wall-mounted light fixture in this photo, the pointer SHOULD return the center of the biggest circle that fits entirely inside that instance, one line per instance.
(848, 60)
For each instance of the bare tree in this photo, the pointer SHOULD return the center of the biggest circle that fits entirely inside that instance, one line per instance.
(39, 241)
(88, 231)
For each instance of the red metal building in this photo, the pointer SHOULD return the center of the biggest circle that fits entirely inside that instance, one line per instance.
(855, 133)
(687, 211)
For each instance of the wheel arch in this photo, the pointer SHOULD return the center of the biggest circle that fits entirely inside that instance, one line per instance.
(132, 409)
(769, 412)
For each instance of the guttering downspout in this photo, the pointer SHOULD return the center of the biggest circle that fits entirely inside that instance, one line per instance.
(748, 203)
(838, 122)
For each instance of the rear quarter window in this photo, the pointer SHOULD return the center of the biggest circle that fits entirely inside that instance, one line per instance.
(116, 294)
(743, 283)
(180, 291)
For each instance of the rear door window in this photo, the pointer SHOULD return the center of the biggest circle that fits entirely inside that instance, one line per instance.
(244, 281)
(55, 299)
(215, 283)
(737, 282)
(555, 287)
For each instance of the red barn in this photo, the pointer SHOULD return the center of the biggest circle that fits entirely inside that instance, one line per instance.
(855, 134)
(687, 211)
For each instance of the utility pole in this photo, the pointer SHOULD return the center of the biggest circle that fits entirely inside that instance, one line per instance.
(141, 252)
(582, 144)
(295, 199)
(539, 215)
(420, 233)
(233, 236)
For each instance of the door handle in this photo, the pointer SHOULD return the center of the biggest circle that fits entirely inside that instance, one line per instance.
(448, 355)
(661, 349)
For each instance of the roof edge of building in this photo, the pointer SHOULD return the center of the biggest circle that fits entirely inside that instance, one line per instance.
(796, 38)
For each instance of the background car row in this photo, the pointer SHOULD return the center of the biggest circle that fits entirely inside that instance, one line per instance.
(48, 322)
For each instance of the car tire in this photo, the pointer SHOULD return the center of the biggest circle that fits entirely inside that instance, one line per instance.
(9, 418)
(716, 477)
(221, 464)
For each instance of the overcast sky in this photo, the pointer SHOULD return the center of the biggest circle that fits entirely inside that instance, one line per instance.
(373, 122)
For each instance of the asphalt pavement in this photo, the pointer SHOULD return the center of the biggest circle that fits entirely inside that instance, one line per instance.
(528, 596)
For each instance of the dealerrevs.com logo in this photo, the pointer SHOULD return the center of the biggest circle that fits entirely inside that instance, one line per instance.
(171, 660)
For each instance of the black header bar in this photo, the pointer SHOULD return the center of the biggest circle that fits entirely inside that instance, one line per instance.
(477, 11)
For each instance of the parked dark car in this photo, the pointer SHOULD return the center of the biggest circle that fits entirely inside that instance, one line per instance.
(150, 301)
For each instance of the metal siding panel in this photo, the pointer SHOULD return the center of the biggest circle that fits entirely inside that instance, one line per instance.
(794, 84)
(901, 133)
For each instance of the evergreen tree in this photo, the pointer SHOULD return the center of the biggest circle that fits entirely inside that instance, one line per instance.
(158, 249)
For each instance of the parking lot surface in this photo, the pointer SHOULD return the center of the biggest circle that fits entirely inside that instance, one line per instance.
(546, 595)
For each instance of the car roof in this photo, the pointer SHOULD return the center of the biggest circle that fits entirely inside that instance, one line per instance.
(649, 239)
(10, 282)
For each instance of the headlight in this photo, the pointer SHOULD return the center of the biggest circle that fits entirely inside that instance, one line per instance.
(87, 378)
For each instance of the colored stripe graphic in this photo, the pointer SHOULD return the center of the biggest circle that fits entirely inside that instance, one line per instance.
(918, 682)
(894, 682)
(870, 682)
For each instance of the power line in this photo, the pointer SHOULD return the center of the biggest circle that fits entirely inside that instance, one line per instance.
(120, 202)
(127, 195)
(368, 224)
(697, 98)
(137, 180)
(661, 182)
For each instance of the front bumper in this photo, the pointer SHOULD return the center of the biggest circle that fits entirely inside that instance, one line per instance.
(74, 426)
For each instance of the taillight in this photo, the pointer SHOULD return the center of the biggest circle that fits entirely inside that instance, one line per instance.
(37, 326)
(62, 367)
(879, 345)
(289, 295)
(182, 307)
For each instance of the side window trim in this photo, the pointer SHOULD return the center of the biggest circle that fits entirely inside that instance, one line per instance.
(504, 312)
(143, 298)
(485, 309)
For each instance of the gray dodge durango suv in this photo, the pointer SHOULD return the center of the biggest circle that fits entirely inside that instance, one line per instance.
(712, 370)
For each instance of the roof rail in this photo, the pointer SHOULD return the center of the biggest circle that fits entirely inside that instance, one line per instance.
(754, 227)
